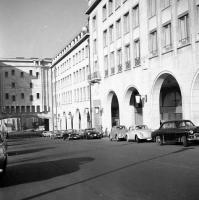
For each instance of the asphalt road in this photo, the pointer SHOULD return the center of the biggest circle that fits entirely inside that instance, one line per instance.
(40, 168)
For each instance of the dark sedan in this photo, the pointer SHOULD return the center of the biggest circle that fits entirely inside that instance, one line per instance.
(177, 130)
(74, 136)
(3, 154)
(92, 133)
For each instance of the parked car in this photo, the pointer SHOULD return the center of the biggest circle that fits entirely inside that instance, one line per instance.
(3, 154)
(46, 133)
(182, 131)
(139, 133)
(74, 136)
(56, 135)
(118, 133)
(67, 133)
(92, 133)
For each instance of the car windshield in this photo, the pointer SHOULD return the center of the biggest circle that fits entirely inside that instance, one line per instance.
(143, 127)
(185, 124)
(121, 127)
(169, 125)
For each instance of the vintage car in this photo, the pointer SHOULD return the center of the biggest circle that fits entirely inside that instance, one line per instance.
(74, 136)
(139, 133)
(118, 133)
(3, 154)
(182, 131)
(92, 133)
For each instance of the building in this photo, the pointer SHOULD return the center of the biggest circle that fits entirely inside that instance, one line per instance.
(71, 89)
(147, 54)
(25, 96)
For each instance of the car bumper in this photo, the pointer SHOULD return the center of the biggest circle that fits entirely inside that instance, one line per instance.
(193, 137)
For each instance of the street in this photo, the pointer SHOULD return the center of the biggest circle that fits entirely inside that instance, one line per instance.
(41, 168)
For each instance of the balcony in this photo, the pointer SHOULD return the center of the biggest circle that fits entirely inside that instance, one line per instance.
(119, 68)
(94, 77)
(137, 61)
(106, 73)
(112, 70)
(128, 65)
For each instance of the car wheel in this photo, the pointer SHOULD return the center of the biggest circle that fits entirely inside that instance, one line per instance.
(137, 139)
(184, 141)
(159, 140)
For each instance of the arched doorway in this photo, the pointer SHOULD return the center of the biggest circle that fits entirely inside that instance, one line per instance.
(115, 118)
(195, 100)
(167, 100)
(170, 100)
(134, 108)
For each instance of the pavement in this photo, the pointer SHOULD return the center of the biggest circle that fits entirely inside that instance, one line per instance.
(41, 168)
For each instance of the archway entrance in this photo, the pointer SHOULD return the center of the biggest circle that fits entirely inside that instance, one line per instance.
(170, 100)
(195, 100)
(134, 108)
(115, 118)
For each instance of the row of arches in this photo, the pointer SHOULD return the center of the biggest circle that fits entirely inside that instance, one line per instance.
(166, 103)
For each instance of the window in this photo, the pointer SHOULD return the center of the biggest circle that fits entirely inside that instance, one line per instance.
(38, 108)
(183, 29)
(22, 74)
(95, 67)
(165, 3)
(105, 42)
(119, 60)
(37, 74)
(7, 96)
(13, 85)
(86, 51)
(112, 62)
(94, 23)
(30, 72)
(126, 23)
(31, 85)
(95, 46)
(117, 3)
(127, 56)
(118, 28)
(137, 52)
(6, 74)
(13, 72)
(110, 7)
(38, 95)
(13, 98)
(31, 97)
(153, 46)
(166, 37)
(111, 34)
(104, 12)
(152, 7)
(106, 65)
(22, 95)
(136, 16)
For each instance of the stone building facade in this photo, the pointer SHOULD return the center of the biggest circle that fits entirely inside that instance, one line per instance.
(25, 96)
(147, 54)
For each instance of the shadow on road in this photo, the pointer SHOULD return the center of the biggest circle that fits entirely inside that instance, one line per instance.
(26, 151)
(105, 173)
(27, 173)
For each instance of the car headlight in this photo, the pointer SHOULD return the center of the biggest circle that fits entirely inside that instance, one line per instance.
(191, 132)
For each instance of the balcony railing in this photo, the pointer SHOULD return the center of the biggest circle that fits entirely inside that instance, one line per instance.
(137, 62)
(128, 64)
(94, 77)
(106, 73)
(119, 68)
(112, 70)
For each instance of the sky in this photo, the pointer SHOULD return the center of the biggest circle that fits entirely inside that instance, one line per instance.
(39, 28)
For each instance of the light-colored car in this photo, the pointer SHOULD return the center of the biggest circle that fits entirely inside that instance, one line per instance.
(139, 133)
(118, 133)
(46, 133)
